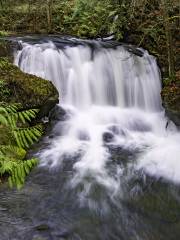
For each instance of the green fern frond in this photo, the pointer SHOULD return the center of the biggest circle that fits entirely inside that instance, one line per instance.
(17, 170)
(3, 120)
(10, 114)
(12, 151)
(8, 109)
(19, 173)
(11, 157)
(25, 137)
(27, 115)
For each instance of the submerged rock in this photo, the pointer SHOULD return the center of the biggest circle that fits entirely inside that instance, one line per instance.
(58, 114)
(42, 227)
(155, 198)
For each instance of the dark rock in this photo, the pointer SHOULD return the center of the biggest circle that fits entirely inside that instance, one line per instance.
(42, 227)
(108, 136)
(117, 130)
(58, 114)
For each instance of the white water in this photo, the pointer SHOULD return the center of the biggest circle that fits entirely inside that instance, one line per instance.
(113, 93)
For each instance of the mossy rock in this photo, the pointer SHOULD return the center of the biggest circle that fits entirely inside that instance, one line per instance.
(29, 90)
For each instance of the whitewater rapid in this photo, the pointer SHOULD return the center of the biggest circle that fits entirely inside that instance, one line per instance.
(112, 100)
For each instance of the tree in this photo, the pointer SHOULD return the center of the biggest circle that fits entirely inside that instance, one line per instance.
(169, 42)
(49, 4)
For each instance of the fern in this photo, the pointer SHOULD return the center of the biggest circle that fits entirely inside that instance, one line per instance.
(20, 171)
(13, 113)
(17, 170)
(11, 156)
(25, 137)
(11, 116)
(12, 151)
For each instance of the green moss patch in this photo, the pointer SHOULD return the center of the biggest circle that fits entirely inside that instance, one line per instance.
(29, 90)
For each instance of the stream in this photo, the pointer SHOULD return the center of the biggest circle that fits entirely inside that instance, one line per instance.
(109, 164)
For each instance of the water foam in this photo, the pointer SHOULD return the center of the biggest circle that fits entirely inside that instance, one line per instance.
(114, 101)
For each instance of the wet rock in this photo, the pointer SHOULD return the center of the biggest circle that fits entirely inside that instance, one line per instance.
(42, 227)
(120, 155)
(108, 137)
(117, 130)
(58, 114)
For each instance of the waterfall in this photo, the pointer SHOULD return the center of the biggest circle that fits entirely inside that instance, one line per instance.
(109, 77)
(113, 104)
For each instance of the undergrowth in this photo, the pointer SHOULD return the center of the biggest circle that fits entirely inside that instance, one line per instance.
(12, 163)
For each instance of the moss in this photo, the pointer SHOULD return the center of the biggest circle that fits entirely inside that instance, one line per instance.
(29, 90)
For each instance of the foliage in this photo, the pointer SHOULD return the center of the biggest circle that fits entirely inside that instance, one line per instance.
(4, 63)
(78, 17)
(151, 24)
(91, 18)
(11, 156)
(13, 151)
(169, 80)
(17, 170)
(4, 90)
(3, 34)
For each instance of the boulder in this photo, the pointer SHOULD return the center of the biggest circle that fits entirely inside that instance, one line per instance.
(29, 90)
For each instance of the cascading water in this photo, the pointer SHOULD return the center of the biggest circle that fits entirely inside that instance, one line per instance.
(113, 104)
(109, 164)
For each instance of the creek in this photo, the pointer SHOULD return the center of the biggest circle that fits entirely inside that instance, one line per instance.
(109, 164)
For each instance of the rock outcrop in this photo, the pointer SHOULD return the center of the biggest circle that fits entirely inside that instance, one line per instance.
(29, 90)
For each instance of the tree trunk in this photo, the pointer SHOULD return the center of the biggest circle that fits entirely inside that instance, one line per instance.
(49, 15)
(169, 41)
